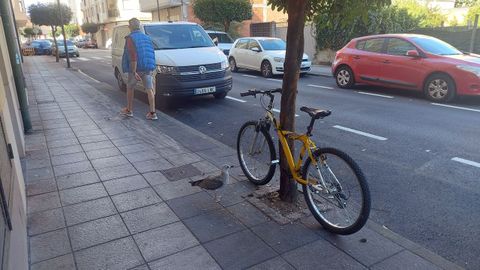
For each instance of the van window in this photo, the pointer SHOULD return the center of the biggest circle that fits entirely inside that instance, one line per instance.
(178, 36)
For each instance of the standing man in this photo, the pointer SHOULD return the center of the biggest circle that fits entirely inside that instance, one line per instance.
(139, 62)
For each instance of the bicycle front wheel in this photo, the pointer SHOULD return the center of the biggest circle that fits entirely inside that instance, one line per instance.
(256, 153)
(337, 192)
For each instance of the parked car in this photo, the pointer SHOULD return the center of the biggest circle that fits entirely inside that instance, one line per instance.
(408, 61)
(41, 47)
(263, 54)
(188, 62)
(80, 43)
(91, 43)
(222, 40)
(60, 49)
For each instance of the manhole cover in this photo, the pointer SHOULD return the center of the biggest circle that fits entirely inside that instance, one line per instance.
(181, 172)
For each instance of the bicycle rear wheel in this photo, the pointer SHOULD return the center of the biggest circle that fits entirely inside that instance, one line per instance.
(256, 153)
(337, 192)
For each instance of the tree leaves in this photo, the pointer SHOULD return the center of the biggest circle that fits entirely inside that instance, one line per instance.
(90, 28)
(49, 14)
(222, 11)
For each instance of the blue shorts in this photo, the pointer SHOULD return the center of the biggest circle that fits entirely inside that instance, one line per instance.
(147, 80)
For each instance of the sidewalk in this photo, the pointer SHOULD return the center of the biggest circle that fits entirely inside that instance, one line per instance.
(321, 70)
(106, 192)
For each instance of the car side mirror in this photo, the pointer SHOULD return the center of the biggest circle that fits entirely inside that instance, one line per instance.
(413, 53)
(255, 49)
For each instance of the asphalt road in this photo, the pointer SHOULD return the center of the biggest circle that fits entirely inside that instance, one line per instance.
(422, 160)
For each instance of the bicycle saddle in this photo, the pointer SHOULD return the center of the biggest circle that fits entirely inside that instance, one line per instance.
(315, 113)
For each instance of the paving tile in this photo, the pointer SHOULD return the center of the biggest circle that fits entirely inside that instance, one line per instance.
(65, 150)
(49, 245)
(89, 132)
(62, 143)
(142, 156)
(132, 148)
(64, 262)
(68, 158)
(176, 189)
(189, 259)
(41, 186)
(103, 153)
(37, 163)
(96, 232)
(126, 141)
(45, 221)
(60, 136)
(77, 179)
(286, 237)
(43, 202)
(213, 225)
(37, 154)
(405, 260)
(90, 210)
(118, 254)
(52, 125)
(93, 138)
(39, 174)
(108, 162)
(307, 257)
(276, 263)
(148, 217)
(155, 178)
(239, 250)
(375, 249)
(135, 199)
(233, 193)
(121, 185)
(83, 193)
(193, 205)
(72, 168)
(164, 241)
(183, 159)
(152, 165)
(141, 267)
(97, 145)
(205, 167)
(116, 172)
(248, 214)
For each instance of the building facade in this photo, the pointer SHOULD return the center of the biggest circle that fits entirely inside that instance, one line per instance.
(109, 13)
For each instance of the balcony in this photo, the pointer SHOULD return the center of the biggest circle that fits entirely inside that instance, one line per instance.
(151, 5)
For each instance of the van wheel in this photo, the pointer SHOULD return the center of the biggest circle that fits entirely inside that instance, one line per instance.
(121, 85)
(220, 95)
(233, 64)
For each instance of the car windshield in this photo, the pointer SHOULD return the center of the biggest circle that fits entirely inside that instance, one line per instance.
(60, 43)
(435, 46)
(222, 37)
(178, 36)
(273, 44)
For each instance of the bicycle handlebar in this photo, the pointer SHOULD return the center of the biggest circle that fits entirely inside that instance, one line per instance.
(254, 92)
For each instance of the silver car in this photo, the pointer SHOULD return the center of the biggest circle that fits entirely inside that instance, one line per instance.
(60, 49)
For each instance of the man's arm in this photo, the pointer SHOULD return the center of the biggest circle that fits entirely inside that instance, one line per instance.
(133, 56)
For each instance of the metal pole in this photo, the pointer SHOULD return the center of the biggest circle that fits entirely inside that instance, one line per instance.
(16, 64)
(63, 33)
(474, 33)
(158, 11)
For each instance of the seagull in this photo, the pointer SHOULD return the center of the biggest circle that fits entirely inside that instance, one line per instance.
(214, 182)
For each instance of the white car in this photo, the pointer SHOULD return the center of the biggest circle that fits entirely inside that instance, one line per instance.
(263, 54)
(223, 40)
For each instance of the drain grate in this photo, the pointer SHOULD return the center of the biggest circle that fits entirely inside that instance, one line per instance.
(181, 172)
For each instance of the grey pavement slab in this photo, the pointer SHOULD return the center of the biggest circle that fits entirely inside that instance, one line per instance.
(234, 193)
(239, 250)
(134, 148)
(135, 199)
(126, 141)
(65, 150)
(45, 221)
(149, 217)
(321, 254)
(43, 202)
(283, 238)
(97, 145)
(49, 245)
(64, 262)
(176, 189)
(405, 260)
(60, 136)
(37, 163)
(164, 241)
(39, 174)
(102, 153)
(68, 158)
(116, 172)
(77, 179)
(93, 138)
(205, 167)
(118, 254)
(183, 159)
(193, 205)
(62, 143)
(83, 193)
(108, 162)
(277, 263)
(41, 186)
(129, 183)
(142, 156)
(89, 210)
(189, 259)
(88, 132)
(97, 231)
(152, 165)
(213, 225)
(248, 214)
(155, 178)
(72, 168)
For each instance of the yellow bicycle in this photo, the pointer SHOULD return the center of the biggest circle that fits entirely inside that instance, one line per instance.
(334, 187)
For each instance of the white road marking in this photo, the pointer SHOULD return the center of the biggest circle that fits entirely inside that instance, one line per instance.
(466, 161)
(97, 58)
(278, 111)
(236, 99)
(82, 59)
(361, 133)
(375, 95)
(320, 86)
(274, 80)
(456, 107)
(249, 76)
(81, 72)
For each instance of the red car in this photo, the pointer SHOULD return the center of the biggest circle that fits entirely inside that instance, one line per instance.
(408, 61)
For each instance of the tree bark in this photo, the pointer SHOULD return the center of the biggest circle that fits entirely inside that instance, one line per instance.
(296, 10)
(54, 31)
(226, 26)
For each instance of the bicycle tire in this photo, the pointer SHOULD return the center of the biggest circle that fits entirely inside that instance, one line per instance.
(364, 212)
(272, 156)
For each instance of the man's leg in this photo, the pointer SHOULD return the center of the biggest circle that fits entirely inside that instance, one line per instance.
(149, 88)
(130, 93)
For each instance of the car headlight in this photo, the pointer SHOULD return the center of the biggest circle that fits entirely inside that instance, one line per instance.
(472, 69)
(224, 64)
(166, 69)
(279, 59)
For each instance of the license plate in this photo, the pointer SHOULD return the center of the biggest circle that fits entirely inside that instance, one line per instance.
(205, 90)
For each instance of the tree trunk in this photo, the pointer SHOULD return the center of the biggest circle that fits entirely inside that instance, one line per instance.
(295, 42)
(54, 31)
(226, 26)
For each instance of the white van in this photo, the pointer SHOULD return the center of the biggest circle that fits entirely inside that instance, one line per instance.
(188, 62)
